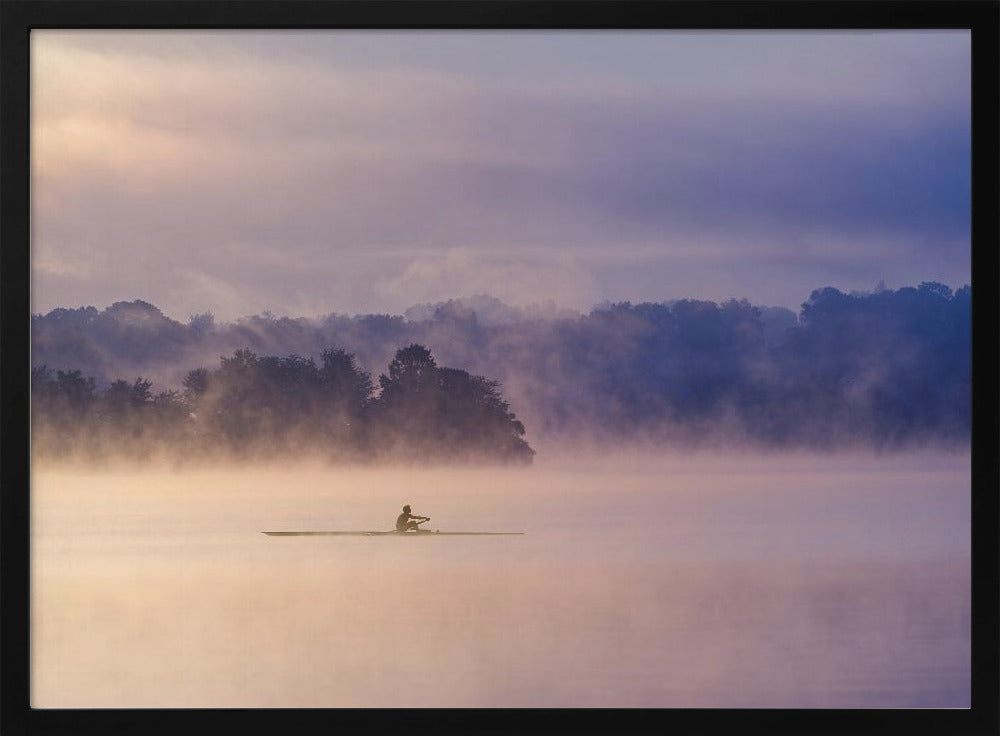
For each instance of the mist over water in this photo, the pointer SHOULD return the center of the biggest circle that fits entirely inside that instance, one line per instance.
(569, 252)
(642, 580)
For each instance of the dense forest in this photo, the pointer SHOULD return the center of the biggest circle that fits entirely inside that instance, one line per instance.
(885, 369)
(270, 406)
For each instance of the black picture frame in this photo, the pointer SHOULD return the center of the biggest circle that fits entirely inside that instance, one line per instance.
(18, 17)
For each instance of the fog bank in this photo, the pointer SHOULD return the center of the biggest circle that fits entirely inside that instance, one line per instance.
(888, 369)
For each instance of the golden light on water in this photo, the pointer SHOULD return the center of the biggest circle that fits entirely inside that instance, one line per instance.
(652, 583)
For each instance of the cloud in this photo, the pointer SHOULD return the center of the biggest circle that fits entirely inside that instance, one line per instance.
(512, 276)
(56, 267)
(350, 166)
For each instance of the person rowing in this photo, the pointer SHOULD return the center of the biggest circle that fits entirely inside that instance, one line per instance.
(406, 521)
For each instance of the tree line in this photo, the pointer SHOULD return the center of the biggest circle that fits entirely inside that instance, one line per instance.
(886, 368)
(270, 406)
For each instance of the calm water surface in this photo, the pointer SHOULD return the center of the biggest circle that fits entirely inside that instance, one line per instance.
(702, 581)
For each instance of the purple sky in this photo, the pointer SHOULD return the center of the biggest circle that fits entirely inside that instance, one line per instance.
(309, 172)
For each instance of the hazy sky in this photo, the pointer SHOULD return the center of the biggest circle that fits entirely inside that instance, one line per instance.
(313, 171)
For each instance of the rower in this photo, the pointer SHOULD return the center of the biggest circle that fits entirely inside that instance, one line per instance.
(404, 521)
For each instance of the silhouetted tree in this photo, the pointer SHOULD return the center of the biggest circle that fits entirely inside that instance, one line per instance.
(474, 418)
(75, 392)
(445, 412)
(345, 392)
(195, 385)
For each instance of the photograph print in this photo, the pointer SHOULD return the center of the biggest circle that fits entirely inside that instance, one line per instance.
(500, 369)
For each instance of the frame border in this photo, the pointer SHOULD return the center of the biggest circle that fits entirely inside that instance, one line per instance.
(18, 17)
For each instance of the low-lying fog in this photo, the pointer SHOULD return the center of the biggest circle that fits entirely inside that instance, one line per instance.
(641, 581)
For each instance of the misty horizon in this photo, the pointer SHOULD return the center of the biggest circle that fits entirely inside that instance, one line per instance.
(482, 303)
(489, 308)
(885, 368)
